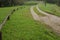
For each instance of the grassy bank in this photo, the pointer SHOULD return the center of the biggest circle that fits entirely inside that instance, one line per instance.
(40, 14)
(4, 11)
(22, 26)
(50, 8)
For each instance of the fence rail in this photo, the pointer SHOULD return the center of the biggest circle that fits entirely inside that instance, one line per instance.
(5, 20)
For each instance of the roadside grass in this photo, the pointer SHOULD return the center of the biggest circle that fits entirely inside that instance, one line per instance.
(50, 8)
(40, 14)
(31, 3)
(22, 26)
(4, 11)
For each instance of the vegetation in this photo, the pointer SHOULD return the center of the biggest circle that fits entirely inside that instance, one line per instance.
(40, 14)
(50, 8)
(52, 1)
(20, 2)
(22, 26)
(4, 12)
(10, 2)
(31, 3)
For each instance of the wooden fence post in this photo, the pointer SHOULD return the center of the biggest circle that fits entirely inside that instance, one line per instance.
(8, 17)
(0, 35)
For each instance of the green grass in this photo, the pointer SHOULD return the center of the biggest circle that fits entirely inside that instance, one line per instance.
(31, 3)
(4, 11)
(50, 8)
(22, 26)
(40, 14)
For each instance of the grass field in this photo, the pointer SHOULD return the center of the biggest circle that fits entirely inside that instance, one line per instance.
(4, 11)
(22, 26)
(50, 8)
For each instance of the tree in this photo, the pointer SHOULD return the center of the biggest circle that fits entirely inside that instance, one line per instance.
(10, 2)
(58, 2)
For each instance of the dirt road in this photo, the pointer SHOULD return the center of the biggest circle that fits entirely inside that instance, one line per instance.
(51, 20)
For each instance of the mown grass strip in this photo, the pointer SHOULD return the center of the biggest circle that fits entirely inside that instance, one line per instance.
(40, 14)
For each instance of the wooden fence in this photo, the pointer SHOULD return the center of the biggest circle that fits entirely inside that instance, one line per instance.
(4, 21)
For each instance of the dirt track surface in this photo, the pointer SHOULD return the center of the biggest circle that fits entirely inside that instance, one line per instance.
(51, 20)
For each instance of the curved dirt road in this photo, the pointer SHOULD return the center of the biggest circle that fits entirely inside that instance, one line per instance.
(51, 20)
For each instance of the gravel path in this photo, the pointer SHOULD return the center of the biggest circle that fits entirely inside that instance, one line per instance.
(51, 20)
